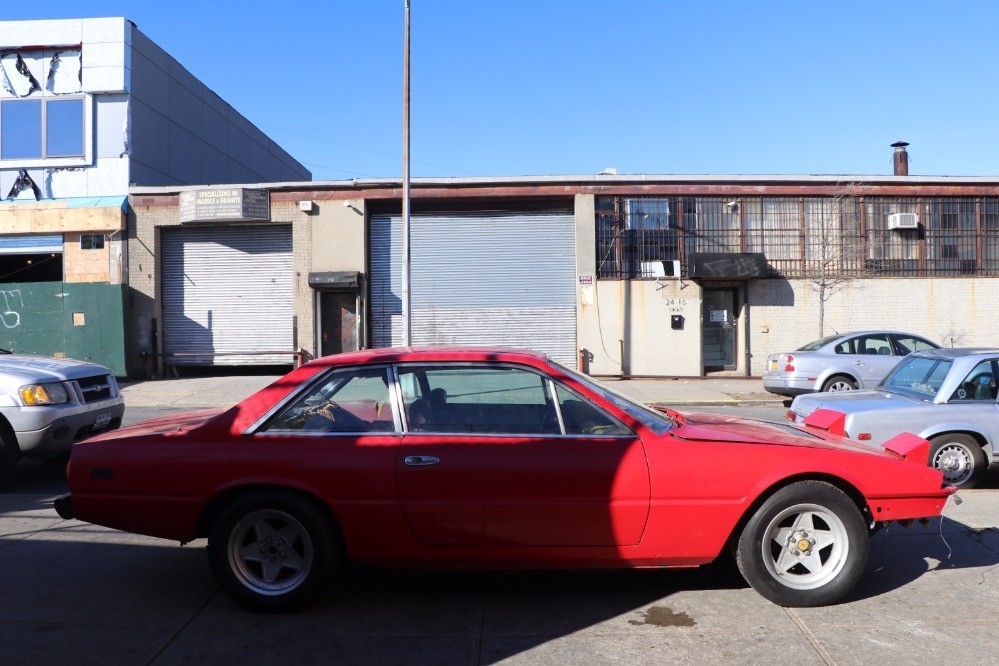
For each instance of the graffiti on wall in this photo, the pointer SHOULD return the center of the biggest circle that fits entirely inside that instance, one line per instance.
(11, 317)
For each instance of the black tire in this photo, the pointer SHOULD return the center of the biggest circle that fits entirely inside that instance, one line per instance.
(805, 546)
(839, 383)
(960, 458)
(284, 530)
(9, 455)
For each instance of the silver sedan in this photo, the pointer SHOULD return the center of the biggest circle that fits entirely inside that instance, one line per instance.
(947, 396)
(843, 362)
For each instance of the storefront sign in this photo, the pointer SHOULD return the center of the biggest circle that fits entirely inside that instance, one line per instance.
(231, 203)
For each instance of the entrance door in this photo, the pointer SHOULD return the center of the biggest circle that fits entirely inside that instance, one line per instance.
(718, 329)
(337, 322)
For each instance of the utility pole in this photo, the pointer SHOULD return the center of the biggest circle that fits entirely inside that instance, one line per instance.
(406, 318)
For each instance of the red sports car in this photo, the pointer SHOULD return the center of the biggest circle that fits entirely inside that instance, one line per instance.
(499, 458)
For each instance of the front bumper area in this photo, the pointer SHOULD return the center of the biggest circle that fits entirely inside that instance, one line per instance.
(58, 436)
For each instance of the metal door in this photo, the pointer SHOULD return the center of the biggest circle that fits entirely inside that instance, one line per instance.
(718, 330)
(337, 322)
(490, 278)
(227, 292)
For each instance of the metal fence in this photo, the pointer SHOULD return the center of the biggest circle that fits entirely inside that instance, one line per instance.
(801, 237)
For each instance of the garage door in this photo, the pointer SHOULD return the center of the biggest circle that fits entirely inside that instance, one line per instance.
(496, 278)
(227, 291)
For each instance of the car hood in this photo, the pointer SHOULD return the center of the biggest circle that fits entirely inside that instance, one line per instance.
(851, 402)
(45, 369)
(734, 429)
(161, 425)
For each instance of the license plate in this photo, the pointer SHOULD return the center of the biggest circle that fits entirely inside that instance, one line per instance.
(102, 421)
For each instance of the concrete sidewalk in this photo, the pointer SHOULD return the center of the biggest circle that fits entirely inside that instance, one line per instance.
(223, 391)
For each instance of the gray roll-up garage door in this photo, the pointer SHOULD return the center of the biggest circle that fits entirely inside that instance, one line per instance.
(228, 291)
(496, 278)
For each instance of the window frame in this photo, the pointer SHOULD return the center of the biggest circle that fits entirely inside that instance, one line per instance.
(550, 385)
(85, 159)
(258, 427)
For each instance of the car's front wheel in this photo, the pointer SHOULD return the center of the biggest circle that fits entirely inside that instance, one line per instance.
(272, 551)
(959, 457)
(805, 546)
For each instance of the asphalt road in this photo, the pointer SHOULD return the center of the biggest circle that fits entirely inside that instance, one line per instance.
(79, 594)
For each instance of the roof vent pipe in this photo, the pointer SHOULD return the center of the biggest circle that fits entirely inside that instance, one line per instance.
(900, 159)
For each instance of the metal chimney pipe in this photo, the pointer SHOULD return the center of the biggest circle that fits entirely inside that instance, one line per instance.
(900, 159)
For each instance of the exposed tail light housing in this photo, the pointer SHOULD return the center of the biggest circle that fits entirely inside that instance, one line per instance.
(789, 364)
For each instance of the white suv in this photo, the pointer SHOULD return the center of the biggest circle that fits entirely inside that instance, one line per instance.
(46, 404)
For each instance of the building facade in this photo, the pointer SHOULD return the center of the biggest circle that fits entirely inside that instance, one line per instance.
(617, 275)
(88, 107)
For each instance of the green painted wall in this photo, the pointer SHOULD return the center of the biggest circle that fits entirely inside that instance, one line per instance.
(38, 318)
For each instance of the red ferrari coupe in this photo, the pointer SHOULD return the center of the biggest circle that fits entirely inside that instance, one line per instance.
(499, 458)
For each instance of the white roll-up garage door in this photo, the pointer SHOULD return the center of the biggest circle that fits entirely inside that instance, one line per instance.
(227, 291)
(491, 278)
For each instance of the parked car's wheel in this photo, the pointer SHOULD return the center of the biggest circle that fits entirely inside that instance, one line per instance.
(805, 546)
(959, 457)
(272, 551)
(9, 455)
(839, 383)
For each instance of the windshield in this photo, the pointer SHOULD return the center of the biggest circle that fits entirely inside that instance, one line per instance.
(655, 421)
(821, 342)
(918, 376)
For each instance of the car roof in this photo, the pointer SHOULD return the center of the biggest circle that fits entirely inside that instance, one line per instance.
(432, 353)
(959, 352)
(880, 330)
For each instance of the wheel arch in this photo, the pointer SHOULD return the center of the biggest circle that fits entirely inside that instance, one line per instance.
(837, 372)
(219, 501)
(848, 489)
(982, 440)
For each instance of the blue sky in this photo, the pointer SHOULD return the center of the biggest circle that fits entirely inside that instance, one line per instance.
(557, 87)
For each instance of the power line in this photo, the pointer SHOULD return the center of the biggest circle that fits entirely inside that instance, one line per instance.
(366, 150)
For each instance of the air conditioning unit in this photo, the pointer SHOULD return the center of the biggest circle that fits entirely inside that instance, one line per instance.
(903, 221)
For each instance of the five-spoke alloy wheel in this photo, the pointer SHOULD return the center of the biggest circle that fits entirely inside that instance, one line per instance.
(272, 551)
(805, 546)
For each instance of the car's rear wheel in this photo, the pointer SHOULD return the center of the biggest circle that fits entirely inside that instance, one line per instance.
(805, 546)
(272, 551)
(839, 383)
(959, 457)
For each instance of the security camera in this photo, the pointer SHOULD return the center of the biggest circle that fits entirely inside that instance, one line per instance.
(732, 204)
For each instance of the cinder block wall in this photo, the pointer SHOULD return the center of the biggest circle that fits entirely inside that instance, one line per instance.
(958, 311)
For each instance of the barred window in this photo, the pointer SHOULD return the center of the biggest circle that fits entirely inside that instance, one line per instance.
(890, 251)
(836, 236)
(951, 237)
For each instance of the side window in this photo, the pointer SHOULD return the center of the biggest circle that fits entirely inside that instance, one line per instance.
(581, 417)
(477, 399)
(846, 347)
(909, 343)
(355, 401)
(873, 344)
(980, 384)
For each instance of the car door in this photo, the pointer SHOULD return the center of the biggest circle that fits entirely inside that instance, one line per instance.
(494, 463)
(873, 358)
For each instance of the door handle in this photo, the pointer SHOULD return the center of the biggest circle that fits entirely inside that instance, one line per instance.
(858, 362)
(421, 461)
